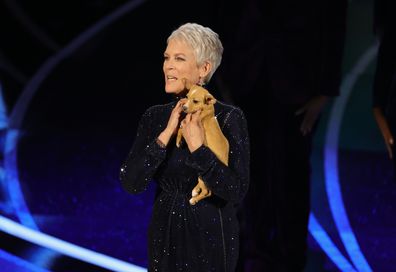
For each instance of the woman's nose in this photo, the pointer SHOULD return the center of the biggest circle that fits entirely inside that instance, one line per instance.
(168, 65)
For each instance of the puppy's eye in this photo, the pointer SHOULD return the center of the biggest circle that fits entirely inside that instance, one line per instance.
(195, 101)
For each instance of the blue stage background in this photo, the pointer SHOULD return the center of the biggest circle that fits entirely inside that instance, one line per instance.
(75, 78)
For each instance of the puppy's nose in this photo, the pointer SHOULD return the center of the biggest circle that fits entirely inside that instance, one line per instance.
(184, 108)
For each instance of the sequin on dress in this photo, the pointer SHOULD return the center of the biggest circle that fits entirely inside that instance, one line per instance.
(183, 237)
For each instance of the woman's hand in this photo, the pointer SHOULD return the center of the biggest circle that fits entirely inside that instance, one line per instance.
(312, 109)
(193, 131)
(173, 122)
(384, 128)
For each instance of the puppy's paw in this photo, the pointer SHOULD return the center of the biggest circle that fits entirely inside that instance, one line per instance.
(199, 193)
(195, 191)
(193, 201)
(195, 194)
(179, 137)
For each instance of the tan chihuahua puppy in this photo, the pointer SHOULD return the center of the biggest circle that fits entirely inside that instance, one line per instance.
(198, 98)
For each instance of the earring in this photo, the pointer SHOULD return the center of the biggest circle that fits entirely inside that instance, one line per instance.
(201, 82)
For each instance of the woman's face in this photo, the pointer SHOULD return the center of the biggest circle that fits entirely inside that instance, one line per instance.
(180, 62)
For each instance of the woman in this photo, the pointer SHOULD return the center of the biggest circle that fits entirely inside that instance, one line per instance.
(185, 237)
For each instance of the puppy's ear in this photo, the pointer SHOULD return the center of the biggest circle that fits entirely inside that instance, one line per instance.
(209, 99)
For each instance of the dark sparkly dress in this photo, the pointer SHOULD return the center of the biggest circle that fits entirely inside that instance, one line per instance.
(182, 237)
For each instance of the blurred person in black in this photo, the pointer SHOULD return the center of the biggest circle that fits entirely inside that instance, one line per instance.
(384, 86)
(288, 67)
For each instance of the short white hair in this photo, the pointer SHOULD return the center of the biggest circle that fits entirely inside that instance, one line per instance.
(205, 43)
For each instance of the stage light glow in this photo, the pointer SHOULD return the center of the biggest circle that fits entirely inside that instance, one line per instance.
(328, 246)
(331, 170)
(332, 181)
(21, 263)
(66, 248)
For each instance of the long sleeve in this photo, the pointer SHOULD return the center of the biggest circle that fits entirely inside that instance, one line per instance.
(144, 158)
(228, 182)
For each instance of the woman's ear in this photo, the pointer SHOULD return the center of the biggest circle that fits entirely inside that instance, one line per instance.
(205, 69)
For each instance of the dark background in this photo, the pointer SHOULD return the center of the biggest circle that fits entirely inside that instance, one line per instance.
(80, 123)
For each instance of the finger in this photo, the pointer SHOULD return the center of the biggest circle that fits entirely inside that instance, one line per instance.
(389, 148)
(304, 127)
(178, 108)
(181, 103)
(308, 121)
(188, 117)
(196, 116)
(183, 123)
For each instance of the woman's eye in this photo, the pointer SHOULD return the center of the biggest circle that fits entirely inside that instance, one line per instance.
(180, 58)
